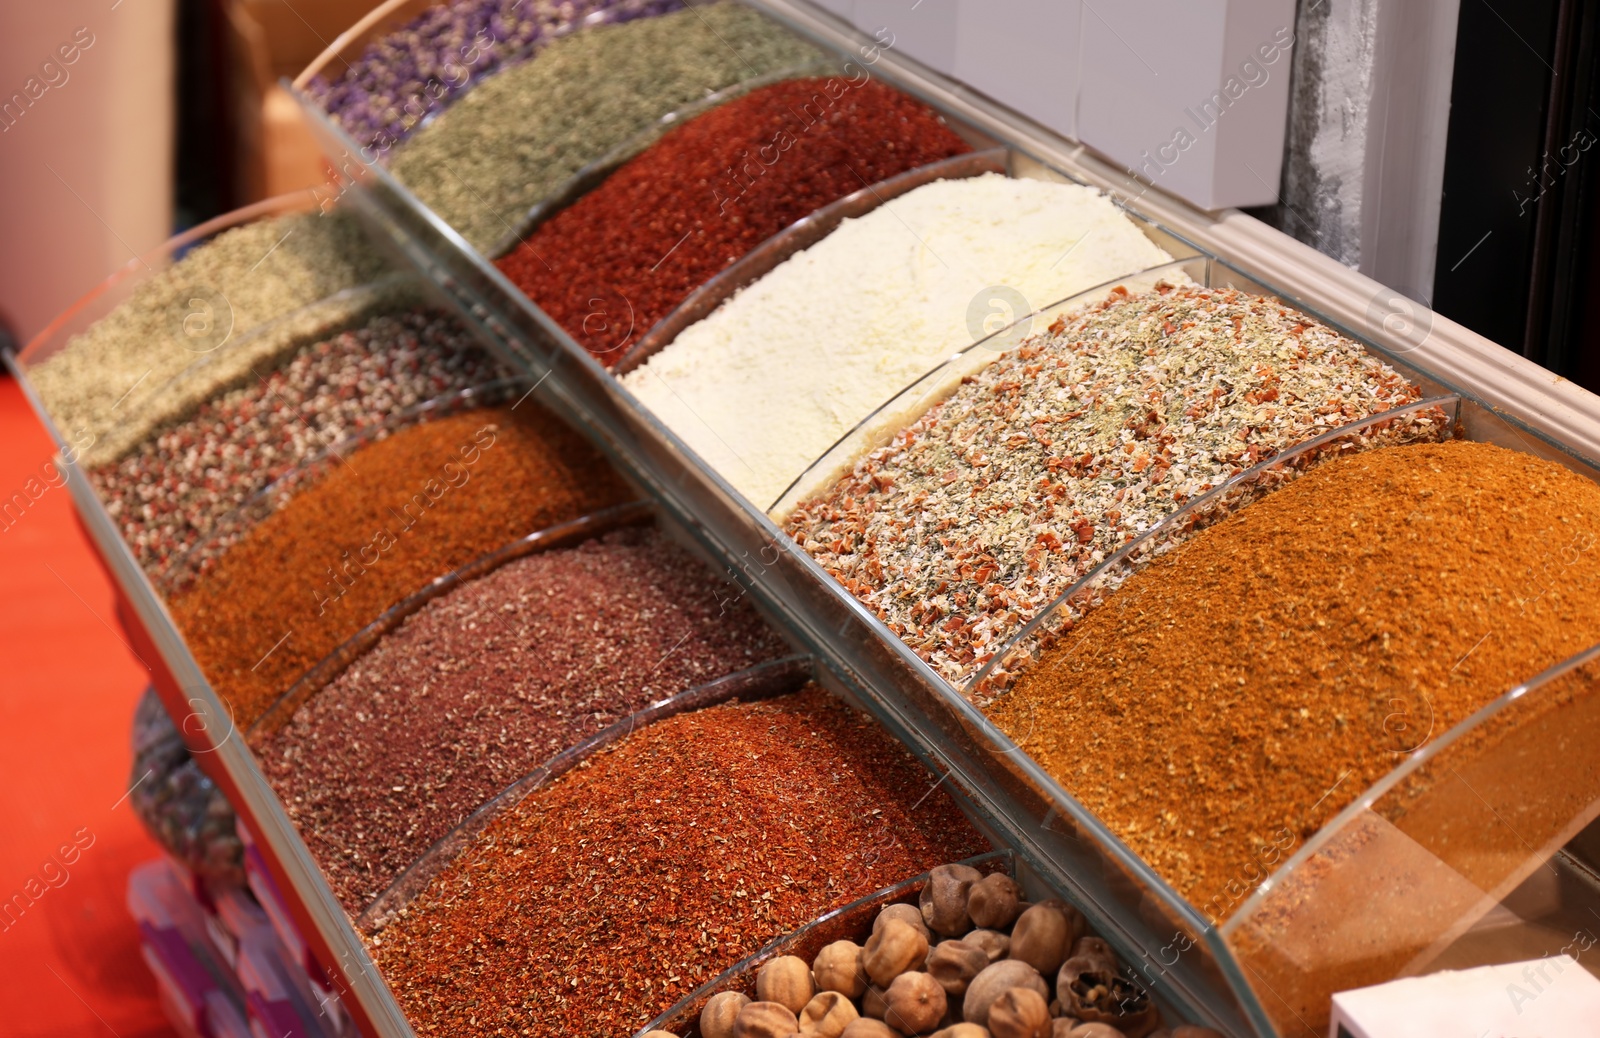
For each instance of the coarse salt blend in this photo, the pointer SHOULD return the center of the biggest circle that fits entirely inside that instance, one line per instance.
(767, 383)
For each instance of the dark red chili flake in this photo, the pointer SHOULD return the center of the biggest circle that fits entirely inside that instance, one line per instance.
(605, 897)
(619, 259)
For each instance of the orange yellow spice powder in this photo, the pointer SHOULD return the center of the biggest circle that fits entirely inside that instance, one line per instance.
(1230, 699)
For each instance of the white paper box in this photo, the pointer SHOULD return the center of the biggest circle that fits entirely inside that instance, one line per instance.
(1542, 998)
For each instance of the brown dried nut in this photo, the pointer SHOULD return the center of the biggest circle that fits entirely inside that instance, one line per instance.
(1095, 994)
(944, 899)
(1019, 1013)
(1062, 1026)
(961, 1030)
(873, 1002)
(916, 1004)
(1094, 947)
(716, 1019)
(785, 980)
(994, 901)
(906, 913)
(994, 943)
(838, 967)
(1080, 926)
(1041, 938)
(1095, 1030)
(954, 963)
(765, 1020)
(993, 981)
(827, 1015)
(866, 1027)
(894, 949)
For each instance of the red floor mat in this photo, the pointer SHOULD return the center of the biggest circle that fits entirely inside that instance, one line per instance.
(69, 964)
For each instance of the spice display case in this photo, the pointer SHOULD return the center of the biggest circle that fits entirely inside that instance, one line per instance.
(278, 864)
(1125, 899)
(1223, 976)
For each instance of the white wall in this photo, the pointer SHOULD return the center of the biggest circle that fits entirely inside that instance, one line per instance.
(86, 169)
(1191, 95)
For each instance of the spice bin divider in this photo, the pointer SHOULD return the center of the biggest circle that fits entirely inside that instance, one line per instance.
(595, 173)
(1425, 853)
(848, 922)
(763, 681)
(914, 401)
(1061, 840)
(802, 234)
(191, 565)
(561, 535)
(1428, 420)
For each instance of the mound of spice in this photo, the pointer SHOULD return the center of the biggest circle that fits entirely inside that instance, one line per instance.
(709, 192)
(983, 511)
(169, 491)
(513, 141)
(766, 384)
(1239, 692)
(488, 682)
(606, 896)
(395, 515)
(210, 321)
(421, 67)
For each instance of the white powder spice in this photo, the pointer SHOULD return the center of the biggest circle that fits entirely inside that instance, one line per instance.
(767, 383)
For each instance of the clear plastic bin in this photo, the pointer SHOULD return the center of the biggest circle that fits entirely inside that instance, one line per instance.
(1458, 857)
(853, 922)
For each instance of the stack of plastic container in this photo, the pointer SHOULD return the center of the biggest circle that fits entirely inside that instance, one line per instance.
(221, 964)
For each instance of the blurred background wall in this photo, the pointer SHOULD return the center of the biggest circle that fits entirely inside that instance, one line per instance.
(87, 119)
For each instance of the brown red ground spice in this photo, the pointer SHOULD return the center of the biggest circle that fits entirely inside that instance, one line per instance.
(608, 895)
(622, 257)
(487, 683)
(1241, 690)
(395, 515)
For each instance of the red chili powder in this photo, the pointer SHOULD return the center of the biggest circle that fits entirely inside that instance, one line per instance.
(399, 513)
(605, 897)
(622, 257)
